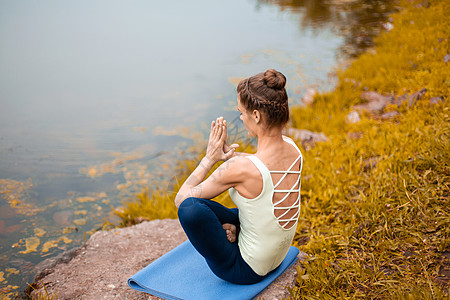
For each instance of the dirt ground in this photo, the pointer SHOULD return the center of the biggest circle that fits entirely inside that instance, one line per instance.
(100, 269)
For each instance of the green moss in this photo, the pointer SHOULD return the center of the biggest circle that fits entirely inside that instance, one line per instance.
(375, 198)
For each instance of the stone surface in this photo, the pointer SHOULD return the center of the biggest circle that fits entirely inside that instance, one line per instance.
(437, 100)
(100, 269)
(353, 117)
(389, 115)
(375, 102)
(307, 138)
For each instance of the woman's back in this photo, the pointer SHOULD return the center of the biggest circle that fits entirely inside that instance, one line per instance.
(283, 160)
(268, 217)
(265, 188)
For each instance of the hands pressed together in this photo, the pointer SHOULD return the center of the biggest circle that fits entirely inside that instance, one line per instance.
(217, 150)
(217, 145)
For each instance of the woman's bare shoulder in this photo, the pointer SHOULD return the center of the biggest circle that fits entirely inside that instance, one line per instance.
(239, 162)
(240, 166)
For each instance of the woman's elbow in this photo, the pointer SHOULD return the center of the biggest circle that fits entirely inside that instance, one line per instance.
(177, 201)
(179, 198)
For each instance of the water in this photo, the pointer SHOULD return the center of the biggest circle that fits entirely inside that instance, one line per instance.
(97, 99)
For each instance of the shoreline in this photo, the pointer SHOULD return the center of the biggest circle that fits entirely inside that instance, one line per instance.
(103, 265)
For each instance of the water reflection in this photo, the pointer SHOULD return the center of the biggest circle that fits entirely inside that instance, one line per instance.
(358, 21)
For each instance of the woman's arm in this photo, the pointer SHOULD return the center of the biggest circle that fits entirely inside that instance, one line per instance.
(219, 181)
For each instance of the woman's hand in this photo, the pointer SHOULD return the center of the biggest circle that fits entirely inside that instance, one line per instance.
(227, 148)
(217, 146)
(218, 182)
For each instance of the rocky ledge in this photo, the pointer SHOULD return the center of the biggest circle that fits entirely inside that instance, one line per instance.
(100, 269)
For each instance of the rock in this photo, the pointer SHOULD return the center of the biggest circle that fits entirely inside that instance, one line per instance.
(63, 218)
(376, 102)
(307, 138)
(353, 117)
(372, 96)
(412, 99)
(424, 4)
(48, 266)
(100, 269)
(308, 98)
(447, 58)
(389, 115)
(437, 100)
(416, 96)
(388, 26)
(9, 229)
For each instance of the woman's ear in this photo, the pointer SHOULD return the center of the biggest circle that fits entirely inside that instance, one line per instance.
(256, 116)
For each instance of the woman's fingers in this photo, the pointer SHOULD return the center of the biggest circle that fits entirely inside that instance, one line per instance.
(216, 130)
(219, 132)
(226, 131)
(216, 134)
(217, 146)
(228, 155)
(213, 124)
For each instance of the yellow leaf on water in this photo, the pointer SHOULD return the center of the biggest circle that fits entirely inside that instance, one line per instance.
(81, 212)
(139, 129)
(235, 80)
(86, 199)
(69, 229)
(17, 195)
(122, 186)
(39, 232)
(115, 154)
(12, 271)
(80, 222)
(31, 243)
(65, 240)
(48, 245)
(101, 195)
(54, 243)
(1, 276)
(142, 181)
(92, 171)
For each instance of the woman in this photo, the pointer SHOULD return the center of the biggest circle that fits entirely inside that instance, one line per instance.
(243, 245)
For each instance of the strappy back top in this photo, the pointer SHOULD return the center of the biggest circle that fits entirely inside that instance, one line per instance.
(267, 227)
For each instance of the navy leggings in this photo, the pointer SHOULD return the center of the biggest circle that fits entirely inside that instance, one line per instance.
(202, 221)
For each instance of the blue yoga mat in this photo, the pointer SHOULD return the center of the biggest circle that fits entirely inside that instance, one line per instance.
(183, 274)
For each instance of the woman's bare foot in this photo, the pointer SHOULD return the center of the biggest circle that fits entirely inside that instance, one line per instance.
(231, 232)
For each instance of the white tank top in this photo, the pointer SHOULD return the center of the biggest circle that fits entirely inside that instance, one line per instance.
(263, 242)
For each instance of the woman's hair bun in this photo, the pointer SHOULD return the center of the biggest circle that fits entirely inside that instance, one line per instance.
(274, 79)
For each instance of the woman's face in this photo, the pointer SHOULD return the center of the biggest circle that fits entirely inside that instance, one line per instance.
(247, 118)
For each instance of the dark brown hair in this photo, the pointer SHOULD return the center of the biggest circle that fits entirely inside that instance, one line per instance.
(266, 92)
